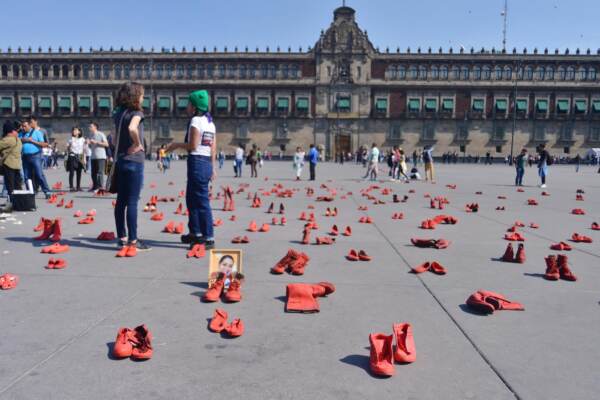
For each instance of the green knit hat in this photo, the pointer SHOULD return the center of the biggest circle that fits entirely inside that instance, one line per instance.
(200, 100)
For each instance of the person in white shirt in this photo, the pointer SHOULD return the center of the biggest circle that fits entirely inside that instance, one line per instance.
(373, 168)
(201, 145)
(98, 145)
(299, 162)
(239, 160)
(75, 157)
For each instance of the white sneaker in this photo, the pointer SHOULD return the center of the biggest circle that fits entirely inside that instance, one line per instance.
(543, 186)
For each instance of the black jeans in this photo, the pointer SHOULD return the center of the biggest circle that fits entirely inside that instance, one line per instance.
(313, 167)
(12, 179)
(130, 179)
(98, 166)
(75, 167)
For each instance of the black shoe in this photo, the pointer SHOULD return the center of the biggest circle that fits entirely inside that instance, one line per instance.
(209, 244)
(121, 243)
(141, 246)
(194, 240)
(47, 195)
(187, 239)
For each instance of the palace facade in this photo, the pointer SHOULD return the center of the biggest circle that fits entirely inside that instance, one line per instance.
(342, 93)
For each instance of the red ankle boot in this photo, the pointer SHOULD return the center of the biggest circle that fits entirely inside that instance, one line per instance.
(520, 257)
(552, 273)
(564, 270)
(405, 343)
(381, 358)
(509, 254)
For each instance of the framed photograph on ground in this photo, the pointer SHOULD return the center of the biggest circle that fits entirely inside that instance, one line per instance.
(224, 261)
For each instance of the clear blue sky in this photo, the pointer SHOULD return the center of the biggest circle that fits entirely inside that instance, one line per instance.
(477, 23)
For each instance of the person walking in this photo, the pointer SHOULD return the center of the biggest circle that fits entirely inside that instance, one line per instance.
(313, 159)
(428, 161)
(75, 157)
(298, 162)
(239, 160)
(33, 143)
(129, 158)
(520, 162)
(200, 143)
(10, 160)
(252, 159)
(402, 168)
(543, 163)
(577, 161)
(373, 163)
(98, 144)
(221, 158)
(415, 158)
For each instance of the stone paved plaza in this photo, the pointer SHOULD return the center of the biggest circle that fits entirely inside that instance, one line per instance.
(58, 326)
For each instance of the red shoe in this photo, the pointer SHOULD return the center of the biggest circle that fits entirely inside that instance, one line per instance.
(91, 213)
(179, 209)
(487, 302)
(580, 238)
(214, 292)
(532, 202)
(8, 281)
(170, 227)
(245, 240)
(437, 268)
(233, 294)
(157, 217)
(369, 220)
(579, 197)
(281, 209)
(509, 254)
(363, 256)
(534, 226)
(58, 263)
(236, 240)
(55, 248)
(40, 226)
(362, 220)
(552, 273)
(232, 218)
(56, 233)
(143, 350)
(283, 221)
(274, 221)
(562, 246)
(124, 343)
(520, 257)
(519, 224)
(564, 270)
(47, 229)
(477, 302)
(405, 344)
(595, 226)
(122, 252)
(347, 231)
(285, 262)
(324, 240)
(381, 358)
(352, 255)
(106, 236)
(334, 231)
(235, 329)
(252, 227)
(545, 194)
(328, 212)
(577, 211)
(86, 221)
(306, 233)
(421, 268)
(302, 216)
(179, 229)
(218, 323)
(265, 228)
(323, 289)
(78, 214)
(197, 251)
(301, 298)
(515, 237)
(297, 266)
(131, 251)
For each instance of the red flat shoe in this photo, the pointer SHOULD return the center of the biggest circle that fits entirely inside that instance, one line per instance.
(363, 256)
(352, 255)
(347, 231)
(577, 211)
(581, 238)
(253, 227)
(405, 344)
(55, 248)
(381, 358)
(437, 268)
(562, 246)
(421, 268)
(86, 221)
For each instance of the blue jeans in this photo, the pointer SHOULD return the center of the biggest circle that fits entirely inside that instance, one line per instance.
(221, 161)
(32, 166)
(519, 178)
(130, 178)
(238, 168)
(199, 172)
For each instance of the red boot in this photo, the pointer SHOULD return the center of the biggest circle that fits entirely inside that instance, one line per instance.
(285, 262)
(306, 234)
(214, 292)
(47, 230)
(234, 294)
(124, 343)
(564, 270)
(552, 272)
(509, 254)
(56, 234)
(297, 266)
(381, 358)
(143, 351)
(520, 257)
(405, 344)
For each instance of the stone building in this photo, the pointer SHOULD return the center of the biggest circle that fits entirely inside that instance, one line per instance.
(342, 93)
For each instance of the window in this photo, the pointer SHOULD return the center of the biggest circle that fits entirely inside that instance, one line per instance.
(464, 74)
(25, 104)
(106, 72)
(455, 73)
(264, 71)
(64, 104)
(45, 105)
(477, 73)
(221, 71)
(521, 105)
(444, 72)
(499, 132)
(582, 75)
(539, 132)
(592, 74)
(478, 105)
(36, 72)
(127, 71)
(85, 104)
(118, 72)
(189, 72)
(435, 72)
(222, 104)
(294, 71)
(86, 71)
(422, 72)
(285, 71)
(104, 104)
(402, 72)
(96, 72)
(393, 73)
(159, 71)
(262, 105)
(179, 73)
(252, 72)
(147, 71)
(413, 72)
(343, 104)
(562, 73)
(507, 73)
(529, 73)
(169, 71)
(501, 106)
(414, 105)
(46, 69)
(541, 73)
(65, 72)
(302, 105)
(231, 71)
(241, 105)
(273, 71)
(283, 105)
(448, 105)
(182, 104)
(431, 105)
(4, 70)
(164, 104)
(6, 105)
(541, 106)
(146, 105)
(498, 73)
(381, 106)
(487, 73)
(562, 106)
(200, 72)
(571, 74)
(243, 72)
(428, 132)
(520, 73)
(550, 73)
(210, 71)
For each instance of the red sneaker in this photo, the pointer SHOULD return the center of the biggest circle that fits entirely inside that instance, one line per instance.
(235, 329)
(131, 251)
(234, 294)
(405, 343)
(214, 292)
(218, 321)
(124, 343)
(122, 252)
(595, 226)
(381, 358)
(86, 221)
(285, 262)
(143, 350)
(577, 211)
(564, 270)
(552, 273)
(197, 251)
(352, 255)
(157, 217)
